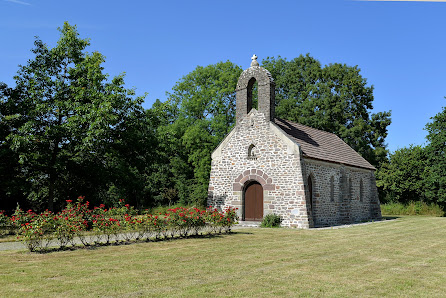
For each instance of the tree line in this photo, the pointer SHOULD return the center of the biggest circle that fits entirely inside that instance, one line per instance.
(417, 173)
(67, 129)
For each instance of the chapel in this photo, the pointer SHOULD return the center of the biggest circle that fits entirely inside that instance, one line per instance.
(311, 178)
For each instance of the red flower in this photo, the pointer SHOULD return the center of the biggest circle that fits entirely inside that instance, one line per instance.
(69, 201)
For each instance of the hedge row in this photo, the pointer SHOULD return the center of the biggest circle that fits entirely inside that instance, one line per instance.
(78, 224)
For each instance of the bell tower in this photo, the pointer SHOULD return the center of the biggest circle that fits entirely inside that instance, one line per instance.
(266, 89)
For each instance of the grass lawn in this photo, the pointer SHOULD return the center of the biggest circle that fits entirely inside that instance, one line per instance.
(404, 257)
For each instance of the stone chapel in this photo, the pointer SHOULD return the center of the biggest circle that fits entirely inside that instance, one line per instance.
(311, 178)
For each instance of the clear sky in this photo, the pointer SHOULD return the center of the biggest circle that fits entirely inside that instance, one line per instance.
(400, 46)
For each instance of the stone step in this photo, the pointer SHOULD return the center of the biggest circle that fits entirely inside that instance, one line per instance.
(248, 224)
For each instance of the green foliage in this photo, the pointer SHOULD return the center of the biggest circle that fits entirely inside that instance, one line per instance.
(412, 208)
(401, 178)
(71, 130)
(13, 185)
(199, 113)
(221, 220)
(435, 172)
(333, 98)
(271, 221)
(104, 225)
(417, 173)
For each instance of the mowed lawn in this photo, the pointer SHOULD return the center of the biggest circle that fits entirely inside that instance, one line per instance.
(403, 257)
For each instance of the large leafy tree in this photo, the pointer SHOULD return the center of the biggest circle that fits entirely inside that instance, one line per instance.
(333, 98)
(200, 111)
(435, 174)
(13, 185)
(417, 173)
(402, 178)
(64, 115)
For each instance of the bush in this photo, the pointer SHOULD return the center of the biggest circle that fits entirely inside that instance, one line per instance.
(412, 208)
(271, 221)
(103, 225)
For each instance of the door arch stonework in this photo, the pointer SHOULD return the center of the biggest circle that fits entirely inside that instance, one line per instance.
(253, 175)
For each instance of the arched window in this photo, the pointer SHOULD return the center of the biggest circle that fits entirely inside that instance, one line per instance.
(252, 95)
(252, 152)
(350, 189)
(361, 190)
(310, 190)
(332, 188)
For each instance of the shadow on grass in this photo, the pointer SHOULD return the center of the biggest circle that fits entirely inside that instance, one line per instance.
(96, 245)
(390, 217)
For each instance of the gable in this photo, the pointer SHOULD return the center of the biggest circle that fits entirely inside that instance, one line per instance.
(322, 145)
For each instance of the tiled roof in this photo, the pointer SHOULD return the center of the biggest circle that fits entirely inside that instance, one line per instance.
(322, 145)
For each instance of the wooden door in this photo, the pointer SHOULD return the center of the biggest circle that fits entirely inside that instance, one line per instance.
(254, 202)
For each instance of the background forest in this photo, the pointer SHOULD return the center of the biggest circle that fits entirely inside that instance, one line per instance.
(67, 129)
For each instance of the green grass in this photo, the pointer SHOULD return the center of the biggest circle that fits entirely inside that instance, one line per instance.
(403, 257)
(412, 208)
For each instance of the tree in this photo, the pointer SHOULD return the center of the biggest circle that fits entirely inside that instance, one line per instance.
(333, 98)
(401, 179)
(200, 112)
(12, 182)
(435, 174)
(64, 115)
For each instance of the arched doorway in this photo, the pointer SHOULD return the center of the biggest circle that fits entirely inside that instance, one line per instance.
(253, 206)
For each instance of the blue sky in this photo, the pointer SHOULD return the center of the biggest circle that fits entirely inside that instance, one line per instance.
(400, 46)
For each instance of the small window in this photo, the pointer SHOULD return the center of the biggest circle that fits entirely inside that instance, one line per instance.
(252, 152)
(361, 191)
(310, 190)
(350, 188)
(332, 189)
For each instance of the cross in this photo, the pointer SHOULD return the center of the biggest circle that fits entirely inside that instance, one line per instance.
(254, 57)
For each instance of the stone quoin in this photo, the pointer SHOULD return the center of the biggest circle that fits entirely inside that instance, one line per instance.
(265, 165)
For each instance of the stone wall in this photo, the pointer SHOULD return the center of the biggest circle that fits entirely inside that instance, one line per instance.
(276, 165)
(341, 194)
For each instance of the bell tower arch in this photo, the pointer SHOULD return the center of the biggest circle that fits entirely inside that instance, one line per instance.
(266, 91)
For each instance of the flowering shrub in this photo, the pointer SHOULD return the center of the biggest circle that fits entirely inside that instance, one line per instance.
(79, 223)
(68, 224)
(131, 227)
(221, 221)
(229, 218)
(179, 220)
(20, 217)
(32, 233)
(197, 219)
